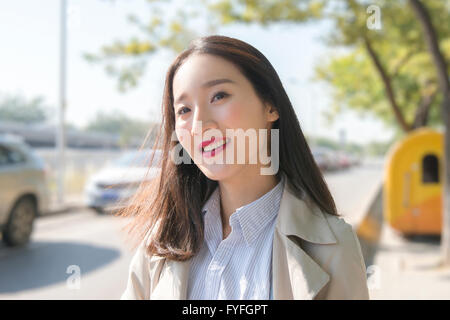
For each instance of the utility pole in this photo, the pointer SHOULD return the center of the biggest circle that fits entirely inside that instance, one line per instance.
(61, 133)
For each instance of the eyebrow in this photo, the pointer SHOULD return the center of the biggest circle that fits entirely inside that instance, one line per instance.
(207, 84)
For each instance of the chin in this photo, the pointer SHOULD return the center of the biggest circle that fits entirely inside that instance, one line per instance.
(216, 172)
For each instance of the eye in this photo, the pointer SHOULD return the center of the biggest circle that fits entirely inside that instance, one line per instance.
(220, 94)
(183, 110)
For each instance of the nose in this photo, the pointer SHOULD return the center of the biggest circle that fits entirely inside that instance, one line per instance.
(202, 121)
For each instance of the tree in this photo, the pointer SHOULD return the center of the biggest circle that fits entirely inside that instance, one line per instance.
(439, 59)
(126, 59)
(356, 85)
(404, 97)
(395, 54)
(16, 108)
(396, 83)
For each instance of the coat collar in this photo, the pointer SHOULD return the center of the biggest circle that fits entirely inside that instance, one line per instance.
(298, 218)
(304, 279)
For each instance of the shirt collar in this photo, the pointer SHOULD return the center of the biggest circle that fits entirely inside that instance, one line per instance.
(252, 217)
(213, 203)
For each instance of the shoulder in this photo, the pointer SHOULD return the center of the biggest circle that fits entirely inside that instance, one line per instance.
(343, 261)
(347, 240)
(346, 244)
(142, 274)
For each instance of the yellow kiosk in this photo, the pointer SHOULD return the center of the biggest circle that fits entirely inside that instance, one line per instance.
(412, 185)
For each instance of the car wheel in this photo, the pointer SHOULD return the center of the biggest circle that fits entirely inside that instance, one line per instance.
(20, 223)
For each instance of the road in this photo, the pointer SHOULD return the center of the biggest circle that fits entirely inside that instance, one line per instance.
(94, 247)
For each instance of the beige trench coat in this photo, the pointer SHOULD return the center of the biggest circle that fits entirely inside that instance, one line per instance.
(314, 256)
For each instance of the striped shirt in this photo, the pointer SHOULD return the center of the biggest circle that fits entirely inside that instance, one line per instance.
(239, 266)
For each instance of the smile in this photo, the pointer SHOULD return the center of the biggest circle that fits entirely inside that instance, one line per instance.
(211, 148)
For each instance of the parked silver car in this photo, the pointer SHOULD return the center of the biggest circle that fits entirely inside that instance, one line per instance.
(23, 190)
(111, 187)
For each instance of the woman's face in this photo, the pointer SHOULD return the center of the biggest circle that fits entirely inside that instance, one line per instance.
(212, 100)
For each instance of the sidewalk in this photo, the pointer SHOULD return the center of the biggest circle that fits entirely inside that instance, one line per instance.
(408, 268)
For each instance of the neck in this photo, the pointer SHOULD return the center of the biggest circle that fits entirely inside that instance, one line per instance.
(243, 189)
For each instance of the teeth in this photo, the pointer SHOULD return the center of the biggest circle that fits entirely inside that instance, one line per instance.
(214, 145)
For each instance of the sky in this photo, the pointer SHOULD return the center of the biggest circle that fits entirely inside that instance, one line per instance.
(29, 64)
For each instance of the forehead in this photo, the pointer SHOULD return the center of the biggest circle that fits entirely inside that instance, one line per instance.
(200, 68)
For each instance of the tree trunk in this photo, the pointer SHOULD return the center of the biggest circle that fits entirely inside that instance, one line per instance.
(422, 112)
(441, 68)
(387, 85)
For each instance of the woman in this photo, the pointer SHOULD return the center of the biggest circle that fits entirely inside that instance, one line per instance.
(227, 226)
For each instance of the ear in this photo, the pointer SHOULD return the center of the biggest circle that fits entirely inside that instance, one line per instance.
(271, 113)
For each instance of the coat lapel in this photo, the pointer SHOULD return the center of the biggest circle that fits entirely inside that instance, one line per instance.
(295, 274)
(304, 277)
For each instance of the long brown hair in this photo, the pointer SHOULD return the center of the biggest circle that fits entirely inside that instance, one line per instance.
(167, 211)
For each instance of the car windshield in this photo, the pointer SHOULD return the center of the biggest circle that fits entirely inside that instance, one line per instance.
(137, 159)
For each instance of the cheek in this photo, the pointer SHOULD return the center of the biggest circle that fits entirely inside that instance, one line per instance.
(183, 135)
(243, 115)
(233, 116)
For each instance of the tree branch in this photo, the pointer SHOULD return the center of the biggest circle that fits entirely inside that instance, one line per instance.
(403, 61)
(433, 45)
(387, 84)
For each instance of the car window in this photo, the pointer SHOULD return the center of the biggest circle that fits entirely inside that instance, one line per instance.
(10, 156)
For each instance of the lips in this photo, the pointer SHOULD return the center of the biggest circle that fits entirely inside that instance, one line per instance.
(207, 142)
(211, 147)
